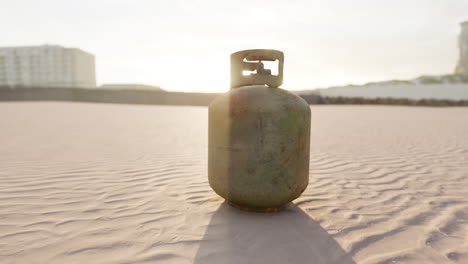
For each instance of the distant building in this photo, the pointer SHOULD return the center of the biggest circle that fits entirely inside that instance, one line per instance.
(129, 86)
(462, 67)
(46, 66)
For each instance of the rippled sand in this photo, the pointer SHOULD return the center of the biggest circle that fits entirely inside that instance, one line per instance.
(96, 183)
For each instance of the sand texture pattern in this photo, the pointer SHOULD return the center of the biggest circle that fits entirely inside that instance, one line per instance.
(97, 183)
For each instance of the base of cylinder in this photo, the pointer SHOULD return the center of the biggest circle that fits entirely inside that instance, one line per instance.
(258, 209)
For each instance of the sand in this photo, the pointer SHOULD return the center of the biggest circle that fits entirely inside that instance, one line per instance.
(97, 183)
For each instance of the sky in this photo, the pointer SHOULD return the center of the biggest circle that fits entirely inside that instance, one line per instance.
(184, 45)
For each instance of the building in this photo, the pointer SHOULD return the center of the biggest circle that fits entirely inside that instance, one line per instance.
(46, 66)
(462, 67)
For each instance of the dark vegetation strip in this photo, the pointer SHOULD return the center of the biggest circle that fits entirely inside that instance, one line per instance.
(179, 98)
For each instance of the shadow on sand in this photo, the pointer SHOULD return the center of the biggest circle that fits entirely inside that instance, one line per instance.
(290, 236)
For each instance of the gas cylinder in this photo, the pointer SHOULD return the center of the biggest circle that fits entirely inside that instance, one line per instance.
(258, 136)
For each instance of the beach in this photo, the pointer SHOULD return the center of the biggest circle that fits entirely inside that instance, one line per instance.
(108, 183)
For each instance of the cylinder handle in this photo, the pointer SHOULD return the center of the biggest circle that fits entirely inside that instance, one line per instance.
(251, 60)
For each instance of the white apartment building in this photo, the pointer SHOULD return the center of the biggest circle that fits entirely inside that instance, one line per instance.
(462, 67)
(46, 66)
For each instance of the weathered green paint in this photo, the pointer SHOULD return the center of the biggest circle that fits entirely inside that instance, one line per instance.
(258, 155)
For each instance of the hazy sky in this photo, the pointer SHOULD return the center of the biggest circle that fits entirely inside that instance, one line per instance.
(185, 45)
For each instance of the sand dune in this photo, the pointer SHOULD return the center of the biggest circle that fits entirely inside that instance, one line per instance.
(96, 183)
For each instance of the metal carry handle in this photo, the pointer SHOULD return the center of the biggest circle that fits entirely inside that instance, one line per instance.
(251, 60)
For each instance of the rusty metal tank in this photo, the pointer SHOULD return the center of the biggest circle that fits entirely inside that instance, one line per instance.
(258, 137)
